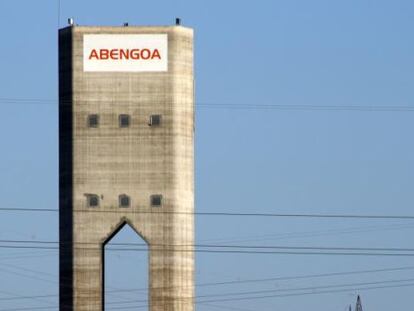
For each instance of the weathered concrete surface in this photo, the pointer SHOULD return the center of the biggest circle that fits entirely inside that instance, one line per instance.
(138, 161)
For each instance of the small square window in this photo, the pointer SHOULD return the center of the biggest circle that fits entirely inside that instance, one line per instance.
(124, 201)
(92, 200)
(93, 120)
(156, 200)
(124, 120)
(155, 120)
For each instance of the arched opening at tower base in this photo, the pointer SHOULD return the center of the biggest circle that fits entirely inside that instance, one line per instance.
(125, 270)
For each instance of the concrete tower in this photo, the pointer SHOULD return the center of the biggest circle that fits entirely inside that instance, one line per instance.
(126, 135)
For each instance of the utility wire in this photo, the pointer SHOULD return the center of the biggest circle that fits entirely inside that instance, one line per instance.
(227, 105)
(232, 246)
(253, 239)
(311, 292)
(308, 234)
(297, 215)
(308, 293)
(247, 293)
(288, 278)
(263, 252)
(235, 282)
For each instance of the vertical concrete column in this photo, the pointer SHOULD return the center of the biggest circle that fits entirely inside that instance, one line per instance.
(88, 277)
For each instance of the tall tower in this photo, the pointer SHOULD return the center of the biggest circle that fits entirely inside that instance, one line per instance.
(126, 156)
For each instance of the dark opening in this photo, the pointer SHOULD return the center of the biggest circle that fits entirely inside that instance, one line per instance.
(124, 200)
(93, 120)
(92, 200)
(124, 120)
(156, 200)
(155, 120)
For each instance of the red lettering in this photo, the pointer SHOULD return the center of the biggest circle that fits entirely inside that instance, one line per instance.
(117, 54)
(124, 54)
(114, 54)
(94, 54)
(156, 54)
(104, 54)
(134, 54)
(145, 54)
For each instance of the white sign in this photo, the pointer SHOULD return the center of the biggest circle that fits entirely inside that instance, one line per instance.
(124, 53)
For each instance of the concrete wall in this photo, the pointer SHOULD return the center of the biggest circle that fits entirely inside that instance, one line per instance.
(138, 161)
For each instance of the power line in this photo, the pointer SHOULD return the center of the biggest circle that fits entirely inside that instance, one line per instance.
(252, 239)
(312, 291)
(246, 294)
(232, 246)
(361, 108)
(307, 234)
(307, 288)
(273, 290)
(289, 278)
(262, 252)
(226, 307)
(308, 293)
(278, 278)
(297, 215)
(227, 105)
(234, 282)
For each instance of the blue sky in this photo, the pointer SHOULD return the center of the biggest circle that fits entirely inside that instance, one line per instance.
(293, 53)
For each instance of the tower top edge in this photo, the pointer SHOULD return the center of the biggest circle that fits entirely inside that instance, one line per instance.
(125, 29)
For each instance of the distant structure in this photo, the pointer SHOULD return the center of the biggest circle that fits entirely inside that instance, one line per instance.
(126, 157)
(358, 306)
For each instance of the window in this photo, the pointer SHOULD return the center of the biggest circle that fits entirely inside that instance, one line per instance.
(93, 120)
(92, 200)
(155, 120)
(124, 120)
(156, 200)
(124, 201)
